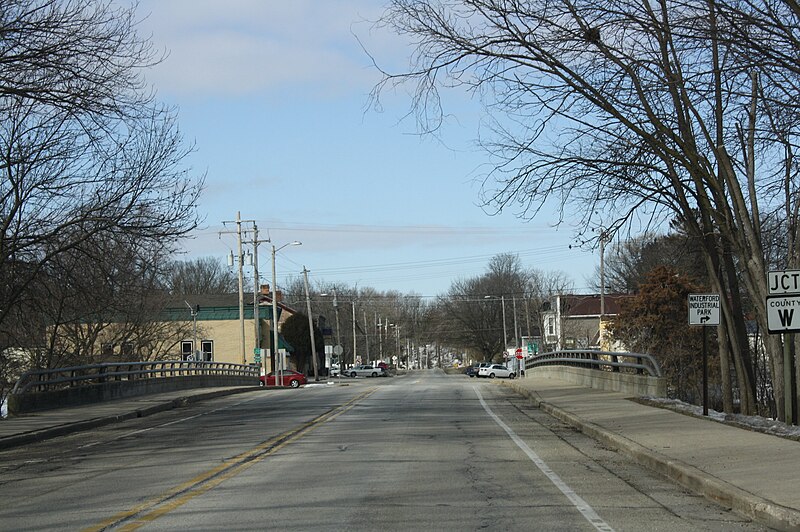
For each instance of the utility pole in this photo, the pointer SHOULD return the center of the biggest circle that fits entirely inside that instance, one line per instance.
(354, 331)
(516, 329)
(257, 293)
(366, 335)
(238, 232)
(311, 327)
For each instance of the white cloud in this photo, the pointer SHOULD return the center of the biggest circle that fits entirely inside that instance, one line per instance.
(241, 47)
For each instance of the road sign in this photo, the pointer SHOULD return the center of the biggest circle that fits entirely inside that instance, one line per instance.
(704, 309)
(783, 314)
(337, 350)
(783, 282)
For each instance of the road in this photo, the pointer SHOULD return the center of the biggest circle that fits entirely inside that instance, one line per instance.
(421, 451)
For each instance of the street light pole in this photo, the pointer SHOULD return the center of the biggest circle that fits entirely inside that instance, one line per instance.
(505, 331)
(311, 327)
(241, 286)
(602, 287)
(193, 314)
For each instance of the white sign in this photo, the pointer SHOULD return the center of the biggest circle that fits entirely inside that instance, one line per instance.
(704, 309)
(783, 314)
(783, 282)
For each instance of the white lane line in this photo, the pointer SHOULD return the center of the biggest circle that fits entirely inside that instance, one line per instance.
(581, 505)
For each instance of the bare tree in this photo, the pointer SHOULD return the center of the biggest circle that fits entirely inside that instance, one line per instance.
(628, 263)
(632, 114)
(205, 275)
(88, 156)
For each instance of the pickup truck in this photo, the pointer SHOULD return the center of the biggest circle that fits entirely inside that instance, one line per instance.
(366, 371)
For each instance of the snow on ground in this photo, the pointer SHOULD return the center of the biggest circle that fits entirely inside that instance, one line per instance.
(755, 423)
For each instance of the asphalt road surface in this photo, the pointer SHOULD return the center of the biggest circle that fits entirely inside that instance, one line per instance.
(424, 451)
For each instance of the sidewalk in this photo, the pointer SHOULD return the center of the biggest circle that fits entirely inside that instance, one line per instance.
(38, 426)
(755, 474)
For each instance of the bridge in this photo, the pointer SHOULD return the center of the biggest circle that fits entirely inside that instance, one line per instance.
(752, 473)
(36, 390)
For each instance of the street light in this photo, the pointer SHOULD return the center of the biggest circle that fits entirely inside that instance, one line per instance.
(279, 373)
(503, 303)
(339, 354)
(397, 339)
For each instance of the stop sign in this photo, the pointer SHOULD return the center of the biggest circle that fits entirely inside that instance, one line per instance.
(519, 353)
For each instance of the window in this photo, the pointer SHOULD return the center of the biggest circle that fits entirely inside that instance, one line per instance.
(126, 349)
(551, 326)
(107, 348)
(187, 349)
(207, 348)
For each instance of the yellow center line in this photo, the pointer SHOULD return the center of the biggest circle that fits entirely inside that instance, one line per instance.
(164, 503)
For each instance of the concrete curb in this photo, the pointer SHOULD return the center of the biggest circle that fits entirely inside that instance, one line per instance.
(742, 502)
(34, 436)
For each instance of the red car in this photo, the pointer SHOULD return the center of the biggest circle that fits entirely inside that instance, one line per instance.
(290, 378)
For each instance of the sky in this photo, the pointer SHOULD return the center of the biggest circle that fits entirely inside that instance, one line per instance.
(274, 97)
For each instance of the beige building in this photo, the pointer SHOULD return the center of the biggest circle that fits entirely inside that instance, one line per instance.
(217, 332)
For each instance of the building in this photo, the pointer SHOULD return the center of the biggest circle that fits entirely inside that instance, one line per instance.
(216, 330)
(574, 322)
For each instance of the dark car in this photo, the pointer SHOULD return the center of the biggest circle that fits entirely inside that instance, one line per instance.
(471, 371)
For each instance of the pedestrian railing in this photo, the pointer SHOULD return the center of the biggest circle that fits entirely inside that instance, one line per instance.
(41, 380)
(636, 363)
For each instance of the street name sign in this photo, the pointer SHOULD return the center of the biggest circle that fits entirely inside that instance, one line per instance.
(704, 309)
(783, 314)
(783, 282)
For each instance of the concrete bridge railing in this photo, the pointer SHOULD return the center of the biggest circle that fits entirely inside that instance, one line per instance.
(631, 373)
(54, 388)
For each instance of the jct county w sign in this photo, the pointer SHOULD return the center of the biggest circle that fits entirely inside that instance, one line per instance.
(783, 314)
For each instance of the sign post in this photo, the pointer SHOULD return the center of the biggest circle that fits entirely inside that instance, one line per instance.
(704, 311)
(783, 317)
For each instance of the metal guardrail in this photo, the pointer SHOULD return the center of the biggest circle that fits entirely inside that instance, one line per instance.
(600, 360)
(60, 378)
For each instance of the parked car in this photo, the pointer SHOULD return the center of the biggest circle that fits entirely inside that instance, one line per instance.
(471, 371)
(477, 369)
(496, 370)
(366, 371)
(289, 378)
